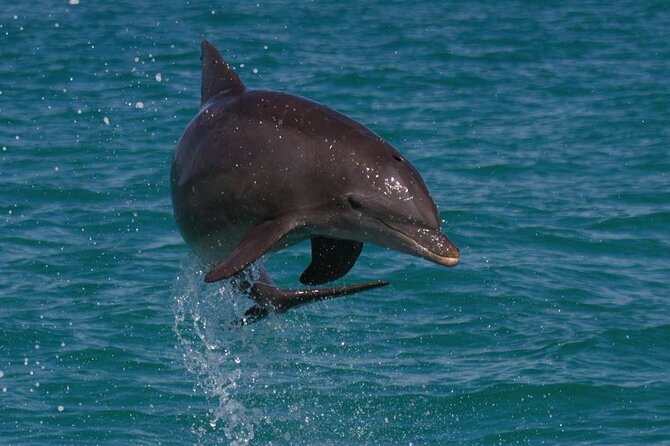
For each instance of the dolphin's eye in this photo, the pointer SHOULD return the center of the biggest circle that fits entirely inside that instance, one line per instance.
(398, 158)
(355, 203)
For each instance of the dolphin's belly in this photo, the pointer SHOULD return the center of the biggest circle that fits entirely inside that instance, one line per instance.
(214, 222)
(218, 245)
(213, 227)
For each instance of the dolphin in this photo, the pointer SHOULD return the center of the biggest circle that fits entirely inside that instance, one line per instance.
(257, 171)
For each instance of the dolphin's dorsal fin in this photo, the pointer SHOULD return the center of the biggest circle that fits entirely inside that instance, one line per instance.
(217, 76)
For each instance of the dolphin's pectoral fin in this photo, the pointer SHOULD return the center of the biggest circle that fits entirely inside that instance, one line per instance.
(271, 298)
(331, 259)
(257, 242)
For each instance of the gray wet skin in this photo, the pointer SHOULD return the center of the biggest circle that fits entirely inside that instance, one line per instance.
(257, 171)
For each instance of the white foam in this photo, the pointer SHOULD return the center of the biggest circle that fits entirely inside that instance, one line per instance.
(211, 350)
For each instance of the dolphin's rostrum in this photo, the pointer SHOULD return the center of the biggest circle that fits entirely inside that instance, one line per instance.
(257, 171)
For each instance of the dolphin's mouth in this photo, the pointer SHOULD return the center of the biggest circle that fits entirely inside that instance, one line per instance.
(430, 244)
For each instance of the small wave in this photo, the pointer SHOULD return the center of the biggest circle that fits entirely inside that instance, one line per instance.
(651, 220)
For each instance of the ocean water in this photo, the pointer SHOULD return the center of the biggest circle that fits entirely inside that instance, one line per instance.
(541, 128)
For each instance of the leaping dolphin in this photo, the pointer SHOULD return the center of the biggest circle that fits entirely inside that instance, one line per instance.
(257, 171)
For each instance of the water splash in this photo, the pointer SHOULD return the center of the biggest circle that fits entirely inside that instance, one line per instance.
(212, 348)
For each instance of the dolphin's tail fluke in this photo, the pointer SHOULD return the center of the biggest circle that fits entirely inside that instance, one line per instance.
(271, 298)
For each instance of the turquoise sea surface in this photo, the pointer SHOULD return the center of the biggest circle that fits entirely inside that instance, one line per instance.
(541, 128)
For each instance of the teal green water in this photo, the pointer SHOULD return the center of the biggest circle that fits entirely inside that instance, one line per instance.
(541, 128)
